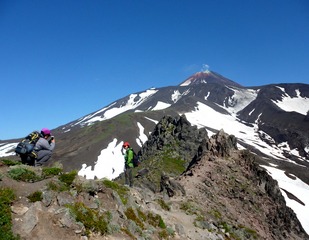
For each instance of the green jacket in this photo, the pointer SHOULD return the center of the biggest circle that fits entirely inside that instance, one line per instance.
(128, 158)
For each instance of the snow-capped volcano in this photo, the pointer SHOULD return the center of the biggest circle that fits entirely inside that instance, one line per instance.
(271, 120)
(208, 77)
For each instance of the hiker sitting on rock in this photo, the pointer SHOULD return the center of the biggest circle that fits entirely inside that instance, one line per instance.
(44, 147)
(128, 164)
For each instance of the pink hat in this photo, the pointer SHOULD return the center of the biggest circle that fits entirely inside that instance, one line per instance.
(45, 131)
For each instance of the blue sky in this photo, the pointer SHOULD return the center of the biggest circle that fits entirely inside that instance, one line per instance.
(61, 60)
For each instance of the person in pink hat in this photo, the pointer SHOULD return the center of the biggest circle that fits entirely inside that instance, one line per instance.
(44, 147)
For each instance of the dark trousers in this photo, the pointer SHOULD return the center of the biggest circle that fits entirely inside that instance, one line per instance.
(27, 160)
(43, 156)
(128, 176)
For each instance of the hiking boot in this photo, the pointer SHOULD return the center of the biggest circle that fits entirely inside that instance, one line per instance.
(37, 164)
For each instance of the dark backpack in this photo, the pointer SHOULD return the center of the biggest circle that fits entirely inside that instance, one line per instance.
(136, 161)
(26, 146)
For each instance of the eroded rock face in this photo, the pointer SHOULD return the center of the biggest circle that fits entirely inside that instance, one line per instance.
(218, 145)
(178, 135)
(230, 183)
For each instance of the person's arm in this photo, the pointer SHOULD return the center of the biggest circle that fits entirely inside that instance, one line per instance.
(43, 144)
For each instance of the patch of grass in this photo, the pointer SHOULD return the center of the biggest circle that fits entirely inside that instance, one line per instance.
(163, 234)
(215, 213)
(51, 171)
(227, 228)
(249, 233)
(23, 174)
(170, 160)
(126, 231)
(141, 214)
(121, 190)
(57, 186)
(35, 197)
(166, 161)
(9, 162)
(91, 219)
(238, 233)
(68, 178)
(166, 233)
(189, 208)
(7, 196)
(131, 215)
(163, 205)
(199, 219)
(155, 220)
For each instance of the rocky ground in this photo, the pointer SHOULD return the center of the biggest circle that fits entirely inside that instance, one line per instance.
(49, 218)
(223, 194)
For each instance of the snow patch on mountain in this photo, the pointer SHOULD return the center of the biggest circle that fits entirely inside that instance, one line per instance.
(240, 99)
(293, 104)
(161, 105)
(189, 81)
(155, 121)
(142, 136)
(296, 187)
(6, 148)
(206, 97)
(83, 121)
(109, 112)
(251, 112)
(110, 163)
(177, 95)
(205, 116)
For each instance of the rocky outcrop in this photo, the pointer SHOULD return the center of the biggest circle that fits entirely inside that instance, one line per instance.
(168, 151)
(219, 145)
(178, 135)
(281, 219)
(230, 184)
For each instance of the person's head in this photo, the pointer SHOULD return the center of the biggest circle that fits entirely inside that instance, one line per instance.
(126, 145)
(45, 132)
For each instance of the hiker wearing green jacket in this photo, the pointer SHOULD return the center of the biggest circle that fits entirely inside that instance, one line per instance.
(128, 164)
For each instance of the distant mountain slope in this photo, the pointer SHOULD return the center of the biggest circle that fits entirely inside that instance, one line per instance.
(272, 121)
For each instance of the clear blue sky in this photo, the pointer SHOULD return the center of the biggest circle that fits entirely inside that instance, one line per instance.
(61, 60)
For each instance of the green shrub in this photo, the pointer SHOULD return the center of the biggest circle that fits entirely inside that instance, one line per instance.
(23, 174)
(9, 162)
(131, 215)
(68, 178)
(7, 196)
(51, 171)
(91, 219)
(155, 220)
(164, 234)
(35, 197)
(57, 186)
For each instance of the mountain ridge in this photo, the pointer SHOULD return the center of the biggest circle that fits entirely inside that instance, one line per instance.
(221, 194)
(264, 119)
